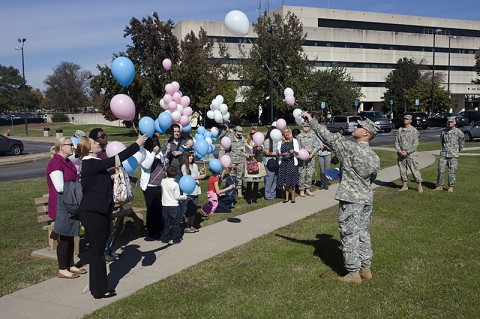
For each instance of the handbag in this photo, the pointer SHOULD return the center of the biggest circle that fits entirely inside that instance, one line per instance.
(72, 196)
(122, 188)
(335, 160)
(252, 166)
(272, 164)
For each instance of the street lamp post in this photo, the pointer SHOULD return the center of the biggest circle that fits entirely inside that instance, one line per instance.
(21, 43)
(448, 76)
(270, 49)
(432, 96)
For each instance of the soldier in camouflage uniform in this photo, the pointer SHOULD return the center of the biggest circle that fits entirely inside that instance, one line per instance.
(452, 143)
(406, 143)
(359, 168)
(308, 141)
(236, 154)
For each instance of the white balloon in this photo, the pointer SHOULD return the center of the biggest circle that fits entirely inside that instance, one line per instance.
(218, 116)
(297, 113)
(210, 115)
(223, 108)
(209, 139)
(176, 115)
(219, 98)
(274, 124)
(276, 135)
(226, 116)
(288, 92)
(162, 103)
(237, 23)
(140, 156)
(216, 104)
(180, 108)
(299, 120)
(214, 131)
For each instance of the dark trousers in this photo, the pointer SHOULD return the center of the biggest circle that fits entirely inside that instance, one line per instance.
(97, 231)
(252, 194)
(153, 202)
(171, 224)
(65, 252)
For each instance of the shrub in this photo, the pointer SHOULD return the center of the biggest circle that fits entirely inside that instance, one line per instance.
(59, 117)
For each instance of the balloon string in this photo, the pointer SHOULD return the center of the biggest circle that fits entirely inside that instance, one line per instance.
(135, 128)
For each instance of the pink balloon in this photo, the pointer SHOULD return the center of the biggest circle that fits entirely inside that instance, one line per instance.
(177, 97)
(303, 154)
(226, 160)
(123, 107)
(226, 142)
(167, 64)
(290, 100)
(176, 86)
(258, 138)
(167, 98)
(185, 101)
(113, 148)
(187, 111)
(169, 89)
(281, 124)
(172, 106)
(184, 120)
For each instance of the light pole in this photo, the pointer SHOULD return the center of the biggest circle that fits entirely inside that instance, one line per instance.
(448, 76)
(432, 96)
(21, 43)
(270, 49)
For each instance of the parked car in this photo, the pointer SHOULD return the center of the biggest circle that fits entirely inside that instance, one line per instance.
(343, 123)
(419, 120)
(440, 120)
(471, 131)
(379, 119)
(471, 115)
(10, 145)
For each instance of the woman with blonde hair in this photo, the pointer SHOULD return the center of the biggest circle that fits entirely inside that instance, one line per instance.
(253, 156)
(60, 170)
(288, 175)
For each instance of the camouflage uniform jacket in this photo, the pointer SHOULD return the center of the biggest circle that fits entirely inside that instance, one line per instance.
(359, 165)
(308, 141)
(407, 140)
(452, 142)
(236, 151)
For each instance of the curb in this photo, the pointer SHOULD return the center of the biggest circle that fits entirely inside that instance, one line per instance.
(10, 160)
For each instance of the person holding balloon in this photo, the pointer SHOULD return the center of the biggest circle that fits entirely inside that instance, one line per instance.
(171, 211)
(271, 164)
(214, 188)
(254, 168)
(308, 143)
(288, 176)
(190, 168)
(172, 149)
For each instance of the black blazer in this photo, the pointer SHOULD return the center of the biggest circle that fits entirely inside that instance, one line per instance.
(97, 184)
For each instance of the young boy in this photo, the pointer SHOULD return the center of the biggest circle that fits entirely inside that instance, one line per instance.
(171, 210)
(231, 180)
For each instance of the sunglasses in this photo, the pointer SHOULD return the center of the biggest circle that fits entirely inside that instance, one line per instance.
(102, 136)
(359, 126)
(71, 144)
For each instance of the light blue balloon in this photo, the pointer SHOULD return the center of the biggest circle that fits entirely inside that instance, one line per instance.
(207, 134)
(215, 165)
(201, 146)
(199, 136)
(212, 148)
(123, 70)
(187, 184)
(147, 126)
(158, 128)
(214, 138)
(165, 120)
(201, 130)
(187, 129)
(74, 140)
(130, 165)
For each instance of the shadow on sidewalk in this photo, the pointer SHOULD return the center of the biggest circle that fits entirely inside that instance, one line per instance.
(327, 248)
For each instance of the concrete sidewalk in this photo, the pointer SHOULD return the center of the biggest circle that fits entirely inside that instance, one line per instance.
(143, 262)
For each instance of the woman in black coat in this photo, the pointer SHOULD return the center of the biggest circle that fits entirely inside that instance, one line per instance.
(96, 208)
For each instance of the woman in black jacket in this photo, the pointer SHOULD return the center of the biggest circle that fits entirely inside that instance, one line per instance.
(96, 208)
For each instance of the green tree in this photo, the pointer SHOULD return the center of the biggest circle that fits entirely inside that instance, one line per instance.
(477, 67)
(335, 87)
(422, 91)
(402, 78)
(290, 65)
(68, 88)
(11, 91)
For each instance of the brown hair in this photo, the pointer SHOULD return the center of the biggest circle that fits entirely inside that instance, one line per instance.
(83, 147)
(171, 171)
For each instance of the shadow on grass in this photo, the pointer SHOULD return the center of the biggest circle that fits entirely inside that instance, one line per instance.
(327, 248)
(386, 184)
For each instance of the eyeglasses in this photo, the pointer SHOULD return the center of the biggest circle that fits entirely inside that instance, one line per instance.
(71, 144)
(176, 131)
(359, 126)
(102, 136)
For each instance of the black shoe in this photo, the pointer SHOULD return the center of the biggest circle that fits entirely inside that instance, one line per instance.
(285, 201)
(108, 294)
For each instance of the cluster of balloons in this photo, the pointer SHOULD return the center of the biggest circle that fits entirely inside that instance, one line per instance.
(289, 98)
(204, 141)
(237, 23)
(218, 110)
(122, 105)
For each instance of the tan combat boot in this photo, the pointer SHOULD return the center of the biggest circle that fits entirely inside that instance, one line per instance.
(239, 190)
(420, 188)
(308, 192)
(404, 187)
(365, 273)
(351, 278)
(302, 194)
(450, 189)
(438, 188)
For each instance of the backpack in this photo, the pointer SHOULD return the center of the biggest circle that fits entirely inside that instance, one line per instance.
(122, 188)
(72, 196)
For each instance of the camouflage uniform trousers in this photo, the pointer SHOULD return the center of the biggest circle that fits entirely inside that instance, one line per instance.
(354, 222)
(306, 169)
(411, 161)
(452, 163)
(240, 171)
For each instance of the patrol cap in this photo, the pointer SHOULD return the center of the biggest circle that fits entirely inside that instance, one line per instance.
(238, 129)
(451, 119)
(407, 117)
(305, 124)
(370, 126)
(79, 134)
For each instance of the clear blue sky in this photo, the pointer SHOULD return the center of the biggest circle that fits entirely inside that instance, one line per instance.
(88, 32)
